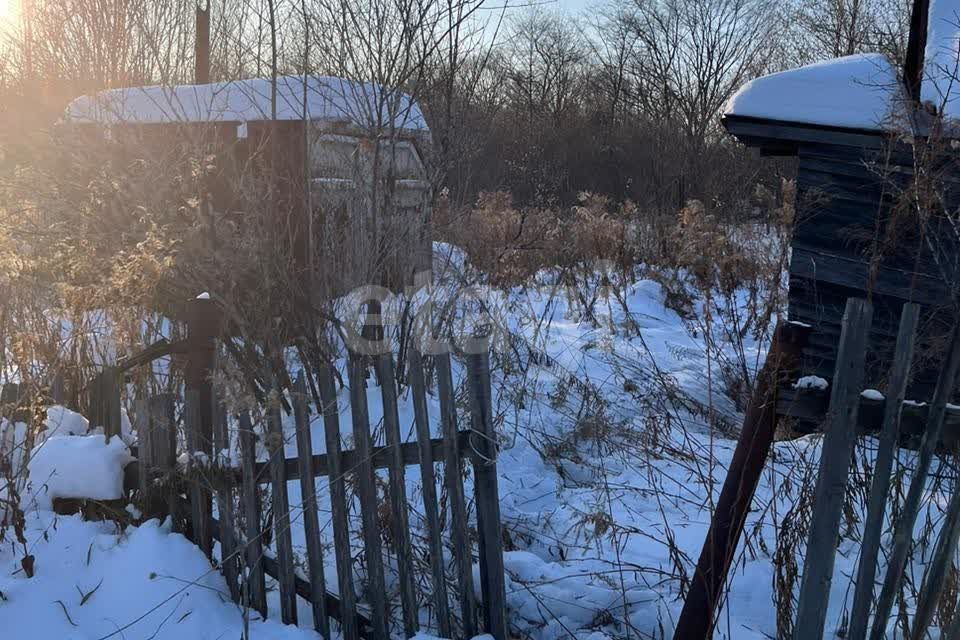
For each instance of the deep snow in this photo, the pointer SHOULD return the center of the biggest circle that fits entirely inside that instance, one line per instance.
(607, 474)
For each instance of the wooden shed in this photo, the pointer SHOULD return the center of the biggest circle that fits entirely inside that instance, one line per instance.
(344, 162)
(859, 128)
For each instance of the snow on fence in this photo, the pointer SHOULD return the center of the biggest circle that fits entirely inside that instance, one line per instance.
(243, 559)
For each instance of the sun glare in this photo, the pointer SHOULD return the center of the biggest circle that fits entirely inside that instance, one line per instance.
(8, 12)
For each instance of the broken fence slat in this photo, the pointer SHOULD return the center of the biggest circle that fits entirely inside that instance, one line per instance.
(112, 384)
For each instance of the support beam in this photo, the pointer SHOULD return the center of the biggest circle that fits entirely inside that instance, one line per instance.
(700, 608)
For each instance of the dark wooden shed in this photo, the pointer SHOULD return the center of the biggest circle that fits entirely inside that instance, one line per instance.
(861, 136)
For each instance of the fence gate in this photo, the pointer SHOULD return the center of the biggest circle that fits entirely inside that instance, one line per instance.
(244, 560)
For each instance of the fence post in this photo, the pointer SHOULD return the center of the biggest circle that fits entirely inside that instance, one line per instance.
(223, 475)
(484, 443)
(162, 441)
(459, 539)
(338, 502)
(281, 510)
(367, 490)
(104, 401)
(199, 495)
(837, 450)
(253, 545)
(9, 402)
(203, 328)
(398, 492)
(311, 520)
(880, 486)
(145, 457)
(903, 530)
(58, 393)
(112, 381)
(429, 488)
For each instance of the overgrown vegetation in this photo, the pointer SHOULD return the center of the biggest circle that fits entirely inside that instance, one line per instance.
(576, 162)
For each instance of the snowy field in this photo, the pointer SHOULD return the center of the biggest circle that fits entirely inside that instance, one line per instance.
(607, 475)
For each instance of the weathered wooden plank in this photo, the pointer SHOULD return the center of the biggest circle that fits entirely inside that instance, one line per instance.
(225, 509)
(161, 413)
(811, 406)
(849, 272)
(484, 449)
(834, 468)
(158, 349)
(903, 531)
(772, 130)
(398, 493)
(934, 580)
(145, 453)
(379, 459)
(853, 170)
(281, 511)
(880, 485)
(199, 495)
(453, 479)
(338, 500)
(253, 553)
(58, 392)
(311, 520)
(367, 490)
(111, 386)
(334, 606)
(429, 489)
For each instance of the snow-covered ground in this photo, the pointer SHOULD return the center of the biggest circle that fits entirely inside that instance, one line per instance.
(607, 474)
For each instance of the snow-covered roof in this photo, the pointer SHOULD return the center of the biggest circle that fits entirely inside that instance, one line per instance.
(328, 99)
(859, 91)
(940, 70)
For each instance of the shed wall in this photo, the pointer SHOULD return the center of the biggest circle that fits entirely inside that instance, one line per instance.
(857, 235)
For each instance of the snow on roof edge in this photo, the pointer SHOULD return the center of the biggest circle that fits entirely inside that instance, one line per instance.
(861, 91)
(328, 99)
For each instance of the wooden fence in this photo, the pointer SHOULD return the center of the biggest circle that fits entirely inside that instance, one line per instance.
(841, 431)
(844, 422)
(234, 490)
